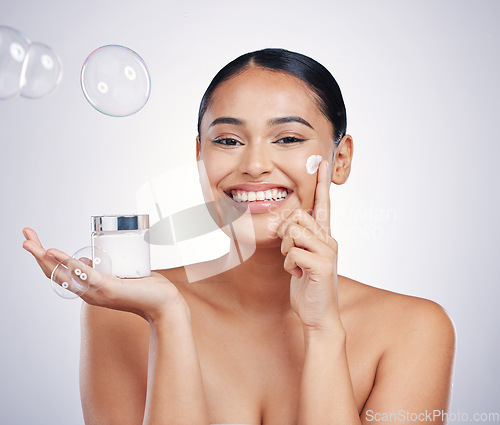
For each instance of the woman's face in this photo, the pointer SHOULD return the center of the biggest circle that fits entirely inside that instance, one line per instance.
(256, 136)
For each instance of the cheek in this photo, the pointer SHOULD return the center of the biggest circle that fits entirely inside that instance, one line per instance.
(306, 192)
(208, 180)
(305, 183)
(212, 169)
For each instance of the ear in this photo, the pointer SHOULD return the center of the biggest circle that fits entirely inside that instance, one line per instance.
(342, 160)
(198, 148)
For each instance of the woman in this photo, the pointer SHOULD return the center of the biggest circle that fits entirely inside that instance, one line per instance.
(280, 338)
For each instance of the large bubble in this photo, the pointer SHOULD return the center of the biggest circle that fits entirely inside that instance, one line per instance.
(115, 81)
(30, 69)
(13, 51)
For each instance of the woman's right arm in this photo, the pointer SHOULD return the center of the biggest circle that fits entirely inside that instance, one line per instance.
(113, 366)
(114, 390)
(116, 385)
(175, 389)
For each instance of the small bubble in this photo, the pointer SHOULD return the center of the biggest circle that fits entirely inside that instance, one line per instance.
(63, 282)
(43, 71)
(69, 281)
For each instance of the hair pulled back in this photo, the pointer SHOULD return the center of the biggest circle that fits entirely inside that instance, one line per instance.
(315, 75)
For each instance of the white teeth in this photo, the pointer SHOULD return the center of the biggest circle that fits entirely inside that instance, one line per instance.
(261, 195)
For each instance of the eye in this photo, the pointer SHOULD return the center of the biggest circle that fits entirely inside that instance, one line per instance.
(289, 139)
(227, 142)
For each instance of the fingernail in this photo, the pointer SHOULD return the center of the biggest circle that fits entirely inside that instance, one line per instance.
(50, 255)
(25, 234)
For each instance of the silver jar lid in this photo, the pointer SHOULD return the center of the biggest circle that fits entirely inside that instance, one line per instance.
(110, 223)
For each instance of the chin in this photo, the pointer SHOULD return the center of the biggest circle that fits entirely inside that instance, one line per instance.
(253, 232)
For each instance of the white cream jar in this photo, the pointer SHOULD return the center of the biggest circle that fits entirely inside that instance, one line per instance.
(124, 238)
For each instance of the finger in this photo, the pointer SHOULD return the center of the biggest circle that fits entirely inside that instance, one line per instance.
(304, 219)
(322, 197)
(287, 242)
(300, 237)
(34, 248)
(57, 254)
(30, 234)
(305, 261)
(33, 245)
(44, 260)
(290, 265)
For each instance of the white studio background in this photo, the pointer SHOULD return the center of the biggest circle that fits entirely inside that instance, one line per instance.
(418, 215)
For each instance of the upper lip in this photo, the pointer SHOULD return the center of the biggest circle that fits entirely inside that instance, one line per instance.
(255, 187)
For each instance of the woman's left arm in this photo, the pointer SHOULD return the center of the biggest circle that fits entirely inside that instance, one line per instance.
(326, 393)
(408, 376)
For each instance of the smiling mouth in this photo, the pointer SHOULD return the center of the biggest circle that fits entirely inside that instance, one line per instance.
(269, 195)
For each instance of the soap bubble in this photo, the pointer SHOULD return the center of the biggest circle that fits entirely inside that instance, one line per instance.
(43, 71)
(13, 50)
(115, 81)
(70, 278)
(97, 258)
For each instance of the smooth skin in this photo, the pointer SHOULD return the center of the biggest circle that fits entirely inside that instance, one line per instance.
(280, 339)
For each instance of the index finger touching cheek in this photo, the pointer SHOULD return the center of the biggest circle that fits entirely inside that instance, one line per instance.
(322, 197)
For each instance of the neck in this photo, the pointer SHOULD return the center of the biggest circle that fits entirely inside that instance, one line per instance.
(259, 285)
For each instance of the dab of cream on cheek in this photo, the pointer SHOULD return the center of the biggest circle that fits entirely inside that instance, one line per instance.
(312, 163)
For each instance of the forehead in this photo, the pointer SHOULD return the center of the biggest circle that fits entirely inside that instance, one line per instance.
(263, 93)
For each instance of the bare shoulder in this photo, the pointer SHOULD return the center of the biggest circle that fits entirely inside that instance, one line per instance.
(410, 343)
(396, 316)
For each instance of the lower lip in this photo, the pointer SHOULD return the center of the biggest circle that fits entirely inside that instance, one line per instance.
(259, 207)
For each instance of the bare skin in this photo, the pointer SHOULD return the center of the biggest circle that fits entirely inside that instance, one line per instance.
(267, 354)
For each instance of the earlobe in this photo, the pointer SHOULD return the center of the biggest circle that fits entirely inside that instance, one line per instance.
(342, 160)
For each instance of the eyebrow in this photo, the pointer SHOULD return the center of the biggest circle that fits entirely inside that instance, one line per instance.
(227, 120)
(284, 120)
(274, 121)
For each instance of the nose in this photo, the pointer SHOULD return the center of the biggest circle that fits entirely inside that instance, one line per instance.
(256, 160)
